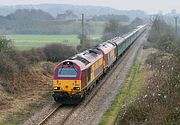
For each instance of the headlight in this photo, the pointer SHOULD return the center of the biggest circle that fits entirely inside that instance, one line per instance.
(56, 88)
(76, 88)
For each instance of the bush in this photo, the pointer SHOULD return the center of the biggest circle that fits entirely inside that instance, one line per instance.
(162, 37)
(15, 66)
(5, 44)
(8, 72)
(7, 67)
(159, 102)
(58, 52)
(34, 55)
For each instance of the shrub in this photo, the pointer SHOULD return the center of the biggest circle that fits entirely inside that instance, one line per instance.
(5, 44)
(8, 71)
(163, 37)
(34, 55)
(15, 66)
(159, 102)
(7, 66)
(58, 52)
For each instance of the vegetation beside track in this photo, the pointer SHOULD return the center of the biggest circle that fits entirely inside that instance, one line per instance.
(25, 77)
(158, 101)
(130, 89)
(159, 104)
(19, 117)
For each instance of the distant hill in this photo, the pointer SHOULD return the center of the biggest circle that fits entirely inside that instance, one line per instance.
(90, 11)
(35, 21)
(121, 18)
(59, 19)
(26, 14)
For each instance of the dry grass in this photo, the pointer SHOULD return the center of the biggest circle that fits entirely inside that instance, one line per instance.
(134, 84)
(159, 102)
(36, 86)
(25, 77)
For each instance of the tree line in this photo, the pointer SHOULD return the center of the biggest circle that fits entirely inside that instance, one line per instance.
(35, 21)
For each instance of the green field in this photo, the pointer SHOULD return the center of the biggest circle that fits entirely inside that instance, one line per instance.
(26, 42)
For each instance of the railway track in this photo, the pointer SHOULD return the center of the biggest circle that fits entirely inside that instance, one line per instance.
(42, 122)
(92, 94)
(69, 114)
(94, 107)
(60, 114)
(67, 110)
(61, 108)
(83, 103)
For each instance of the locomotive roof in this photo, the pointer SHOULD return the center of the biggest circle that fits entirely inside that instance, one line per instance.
(106, 47)
(86, 58)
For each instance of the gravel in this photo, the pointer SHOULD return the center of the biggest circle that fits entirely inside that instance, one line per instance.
(39, 115)
(90, 112)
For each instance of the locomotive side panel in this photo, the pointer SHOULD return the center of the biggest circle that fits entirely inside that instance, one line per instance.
(84, 79)
(98, 68)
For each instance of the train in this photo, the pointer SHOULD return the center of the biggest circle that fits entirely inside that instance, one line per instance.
(75, 77)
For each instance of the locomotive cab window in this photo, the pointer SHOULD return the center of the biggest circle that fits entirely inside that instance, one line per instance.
(67, 73)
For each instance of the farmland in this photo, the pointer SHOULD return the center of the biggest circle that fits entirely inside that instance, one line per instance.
(71, 29)
(26, 42)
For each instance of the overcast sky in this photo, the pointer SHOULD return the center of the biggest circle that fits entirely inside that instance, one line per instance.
(150, 6)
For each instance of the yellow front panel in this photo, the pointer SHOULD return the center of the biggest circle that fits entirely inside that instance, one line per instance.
(67, 86)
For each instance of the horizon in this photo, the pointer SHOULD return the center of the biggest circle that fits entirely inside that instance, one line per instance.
(154, 8)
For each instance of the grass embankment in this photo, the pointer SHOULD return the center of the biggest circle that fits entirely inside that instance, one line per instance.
(16, 118)
(32, 94)
(131, 88)
(158, 102)
(26, 79)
